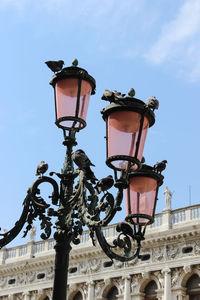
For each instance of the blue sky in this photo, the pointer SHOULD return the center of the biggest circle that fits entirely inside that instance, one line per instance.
(152, 46)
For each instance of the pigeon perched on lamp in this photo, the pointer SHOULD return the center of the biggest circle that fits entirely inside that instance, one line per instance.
(104, 184)
(84, 163)
(152, 103)
(131, 92)
(112, 96)
(55, 66)
(160, 166)
(41, 168)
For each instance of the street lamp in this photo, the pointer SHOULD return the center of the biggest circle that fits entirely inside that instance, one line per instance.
(82, 199)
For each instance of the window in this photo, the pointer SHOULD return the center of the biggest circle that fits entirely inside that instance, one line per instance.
(150, 291)
(193, 287)
(78, 296)
(112, 293)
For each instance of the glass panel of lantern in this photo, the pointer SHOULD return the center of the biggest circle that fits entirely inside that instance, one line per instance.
(141, 196)
(123, 130)
(69, 104)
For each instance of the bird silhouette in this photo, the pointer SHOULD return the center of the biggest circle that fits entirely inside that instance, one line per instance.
(75, 62)
(160, 166)
(55, 66)
(104, 184)
(152, 103)
(112, 96)
(84, 163)
(41, 168)
(125, 228)
(131, 92)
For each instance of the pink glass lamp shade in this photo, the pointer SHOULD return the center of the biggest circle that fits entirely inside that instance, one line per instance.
(141, 195)
(127, 125)
(73, 87)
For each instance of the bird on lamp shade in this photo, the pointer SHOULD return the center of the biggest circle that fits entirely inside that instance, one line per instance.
(83, 163)
(41, 168)
(112, 96)
(104, 184)
(55, 66)
(152, 102)
(131, 92)
(160, 166)
(75, 62)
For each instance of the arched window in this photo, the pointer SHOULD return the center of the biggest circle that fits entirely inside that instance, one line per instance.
(78, 296)
(193, 287)
(150, 291)
(113, 292)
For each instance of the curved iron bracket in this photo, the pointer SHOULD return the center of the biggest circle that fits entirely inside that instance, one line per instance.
(124, 242)
(11, 234)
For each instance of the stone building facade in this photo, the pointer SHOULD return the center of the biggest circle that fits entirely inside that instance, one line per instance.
(169, 268)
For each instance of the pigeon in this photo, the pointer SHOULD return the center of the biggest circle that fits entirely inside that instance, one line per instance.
(83, 163)
(125, 228)
(131, 92)
(81, 159)
(108, 95)
(75, 62)
(152, 103)
(41, 168)
(55, 66)
(104, 184)
(112, 96)
(160, 166)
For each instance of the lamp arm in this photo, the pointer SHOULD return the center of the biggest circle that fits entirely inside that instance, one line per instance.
(124, 241)
(39, 206)
(11, 234)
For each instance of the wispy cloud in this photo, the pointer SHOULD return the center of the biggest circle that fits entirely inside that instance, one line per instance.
(179, 41)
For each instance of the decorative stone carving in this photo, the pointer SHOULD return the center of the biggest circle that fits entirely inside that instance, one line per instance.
(120, 285)
(30, 276)
(172, 251)
(3, 281)
(84, 289)
(132, 262)
(159, 275)
(145, 275)
(118, 264)
(176, 274)
(73, 287)
(158, 254)
(197, 247)
(135, 283)
(50, 273)
(20, 278)
(90, 266)
(187, 269)
(98, 289)
(107, 281)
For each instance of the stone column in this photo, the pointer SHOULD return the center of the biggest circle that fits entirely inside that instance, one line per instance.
(91, 295)
(167, 284)
(26, 296)
(127, 288)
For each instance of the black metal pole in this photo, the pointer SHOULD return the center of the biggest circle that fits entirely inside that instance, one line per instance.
(61, 270)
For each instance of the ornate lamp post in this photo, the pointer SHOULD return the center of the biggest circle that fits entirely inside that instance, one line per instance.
(81, 197)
